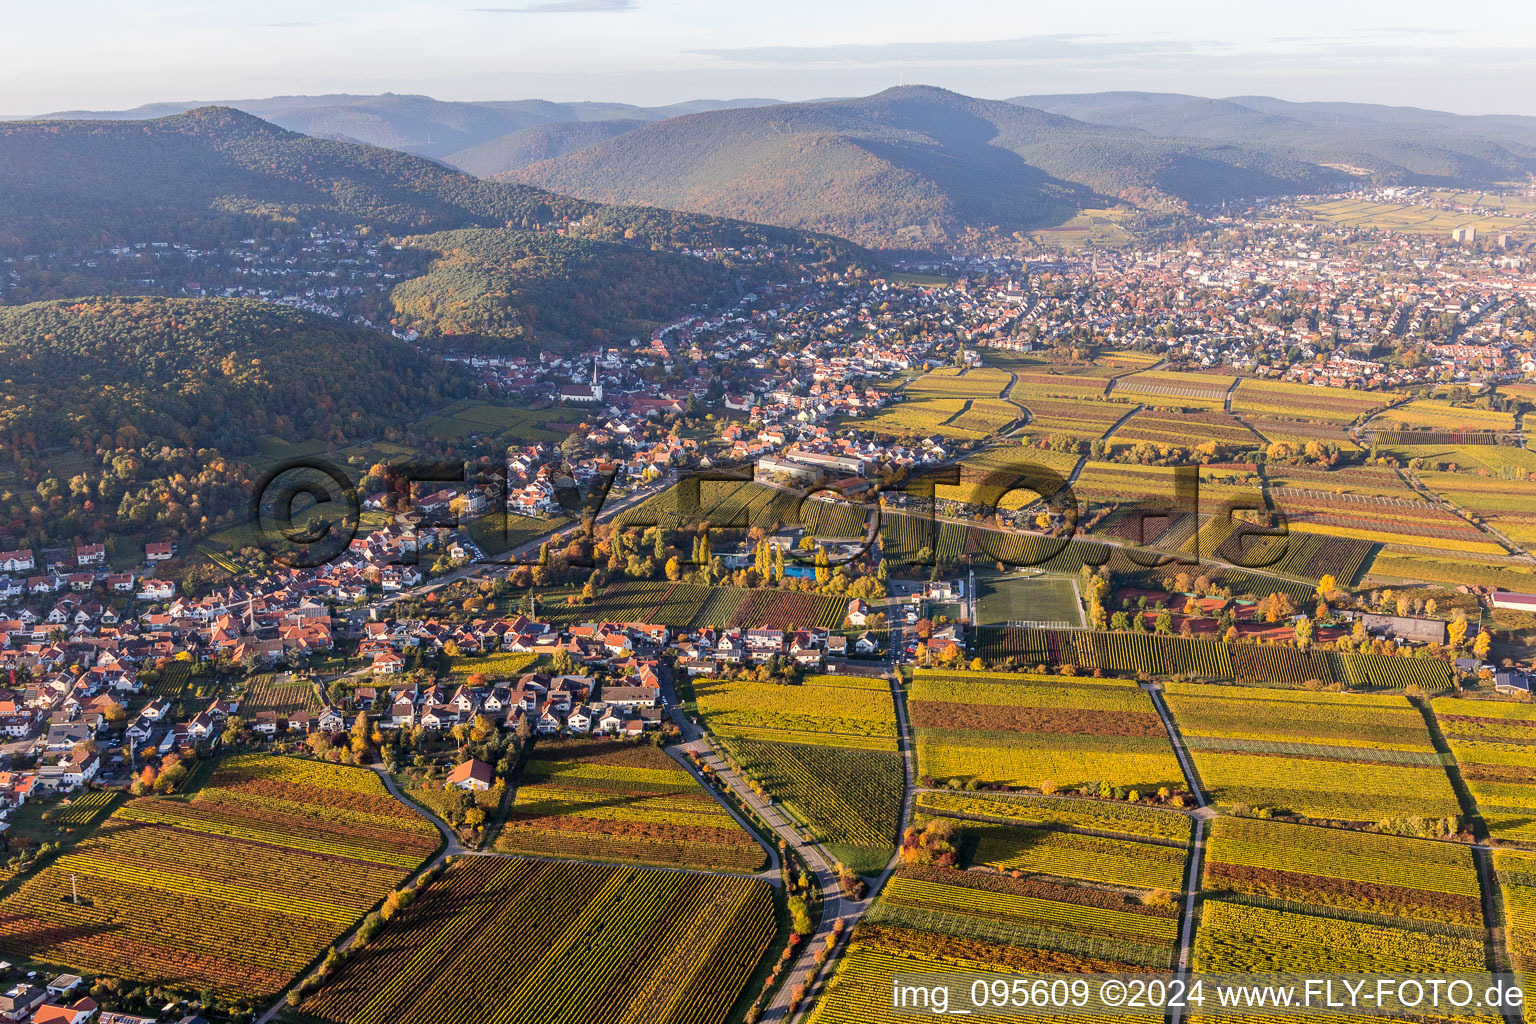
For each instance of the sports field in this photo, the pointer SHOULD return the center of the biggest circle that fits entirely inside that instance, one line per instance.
(1003, 598)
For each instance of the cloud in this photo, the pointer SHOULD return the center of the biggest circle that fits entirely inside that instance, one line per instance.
(563, 7)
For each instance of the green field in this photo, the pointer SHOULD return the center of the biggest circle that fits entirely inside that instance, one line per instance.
(1002, 599)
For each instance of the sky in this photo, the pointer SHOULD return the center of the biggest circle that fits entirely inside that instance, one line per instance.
(1471, 57)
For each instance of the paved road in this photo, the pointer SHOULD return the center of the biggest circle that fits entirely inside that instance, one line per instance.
(835, 906)
(771, 874)
(1201, 815)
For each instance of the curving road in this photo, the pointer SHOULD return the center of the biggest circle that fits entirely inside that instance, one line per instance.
(835, 906)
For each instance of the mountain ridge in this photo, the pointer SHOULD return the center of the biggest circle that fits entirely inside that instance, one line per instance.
(409, 122)
(908, 167)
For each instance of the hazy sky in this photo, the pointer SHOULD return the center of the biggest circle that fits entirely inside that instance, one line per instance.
(1472, 57)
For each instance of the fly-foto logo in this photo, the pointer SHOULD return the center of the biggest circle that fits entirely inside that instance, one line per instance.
(307, 513)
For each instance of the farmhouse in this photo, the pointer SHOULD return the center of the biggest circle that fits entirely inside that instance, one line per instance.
(472, 775)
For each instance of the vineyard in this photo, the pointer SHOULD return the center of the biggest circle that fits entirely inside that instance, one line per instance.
(1307, 555)
(1130, 820)
(615, 800)
(1495, 747)
(1342, 757)
(496, 665)
(1267, 664)
(265, 693)
(741, 504)
(547, 942)
(724, 504)
(1294, 898)
(173, 680)
(690, 606)
(235, 889)
(1517, 878)
(823, 710)
(1022, 730)
(1303, 401)
(1396, 523)
(84, 810)
(1501, 499)
(1112, 652)
(1185, 429)
(826, 749)
(1079, 904)
(913, 541)
(851, 798)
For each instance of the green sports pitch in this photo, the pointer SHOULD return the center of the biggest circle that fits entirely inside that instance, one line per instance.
(1014, 599)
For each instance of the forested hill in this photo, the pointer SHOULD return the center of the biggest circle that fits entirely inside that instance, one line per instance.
(202, 373)
(84, 182)
(541, 142)
(492, 286)
(124, 416)
(1395, 144)
(214, 174)
(909, 167)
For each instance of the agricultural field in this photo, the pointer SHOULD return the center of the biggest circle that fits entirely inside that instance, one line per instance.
(1278, 400)
(1080, 904)
(850, 797)
(1109, 652)
(1309, 556)
(505, 423)
(690, 606)
(1452, 571)
(1440, 414)
(172, 680)
(234, 889)
(1495, 746)
(1023, 730)
(1399, 524)
(548, 941)
(1049, 601)
(984, 475)
(851, 711)
(1411, 217)
(955, 403)
(1172, 388)
(903, 538)
(1334, 757)
(1505, 501)
(1136, 821)
(826, 749)
(616, 800)
(1272, 665)
(724, 504)
(495, 665)
(1073, 404)
(1516, 870)
(1360, 481)
(498, 532)
(1185, 429)
(266, 693)
(1283, 898)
